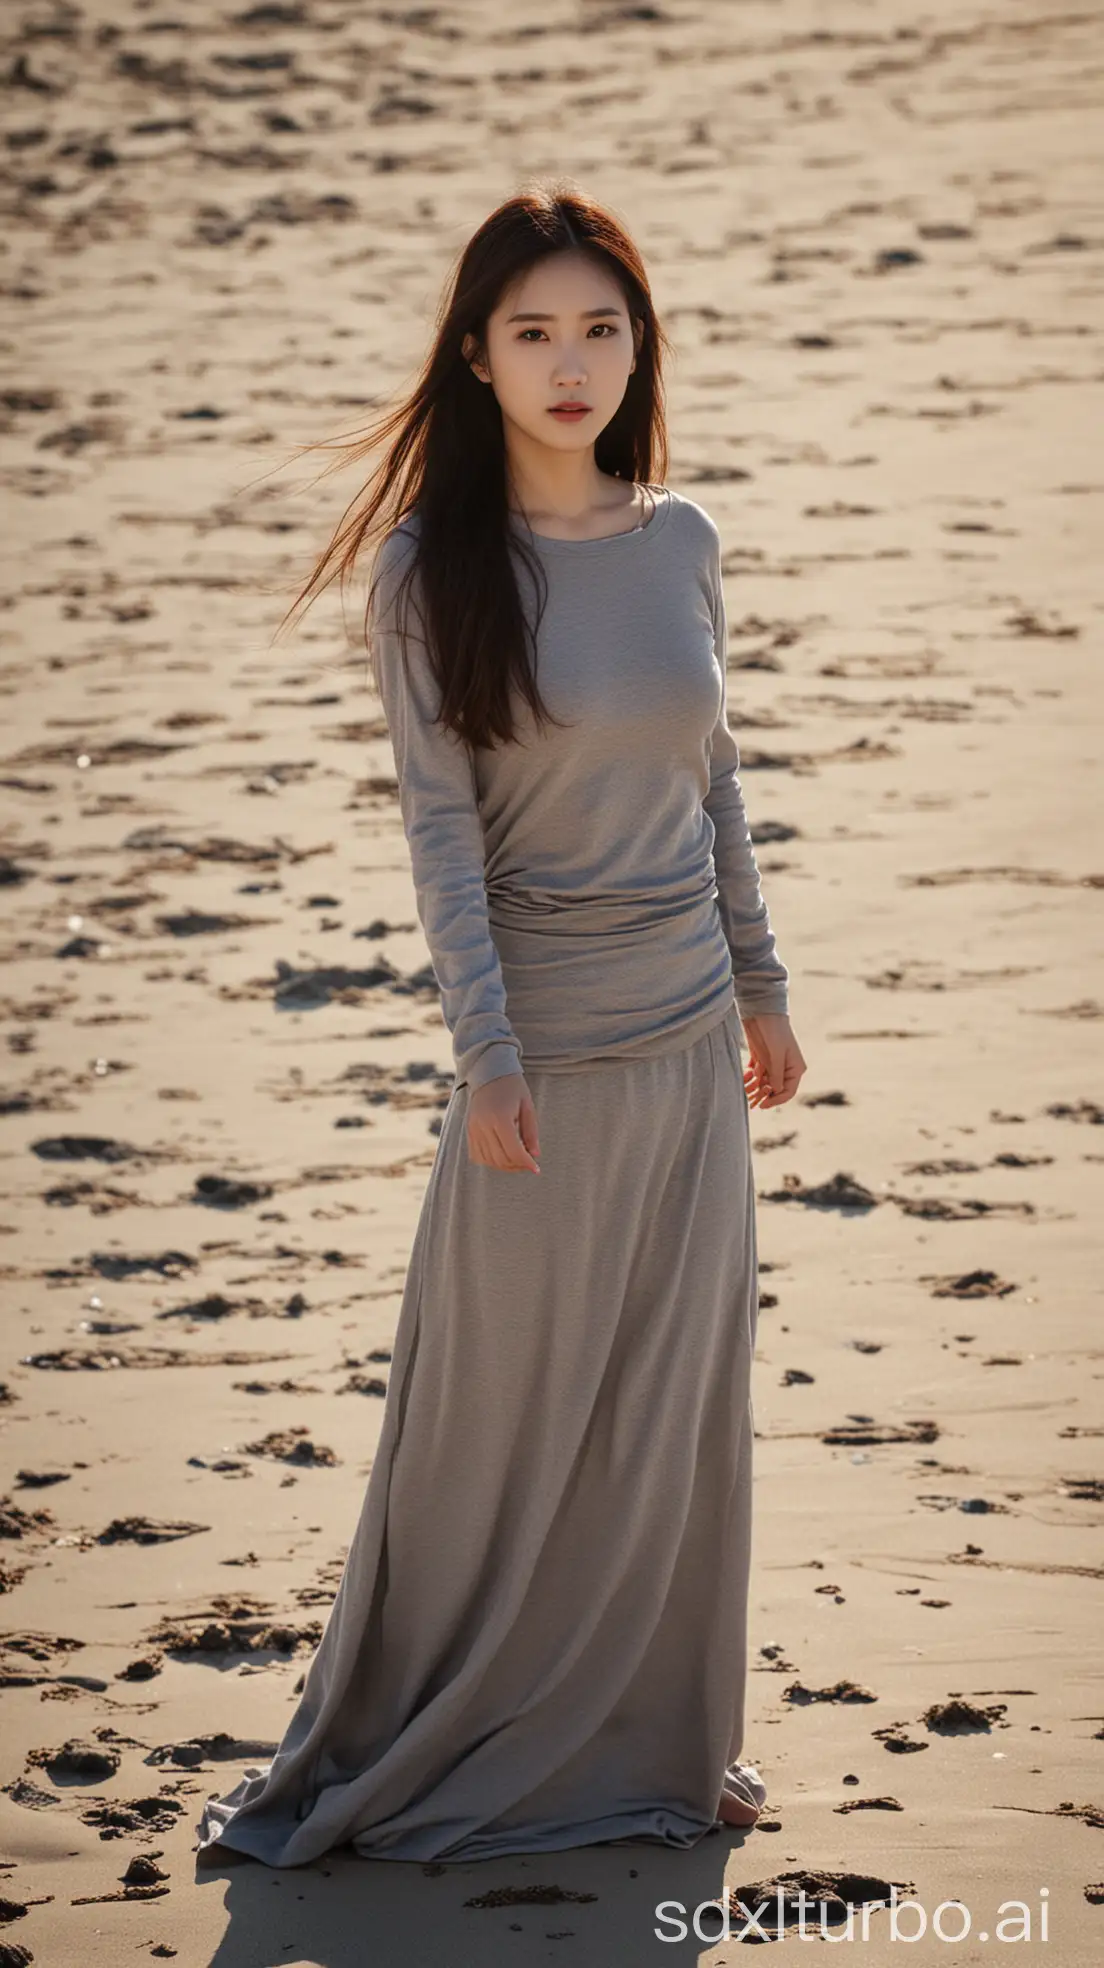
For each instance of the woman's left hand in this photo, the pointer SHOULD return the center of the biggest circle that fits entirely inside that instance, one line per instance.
(774, 1071)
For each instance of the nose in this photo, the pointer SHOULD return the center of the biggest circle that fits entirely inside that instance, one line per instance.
(570, 368)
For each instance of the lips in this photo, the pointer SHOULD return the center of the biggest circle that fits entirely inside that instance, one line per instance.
(570, 412)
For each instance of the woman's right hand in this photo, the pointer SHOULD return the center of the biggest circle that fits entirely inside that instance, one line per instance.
(502, 1125)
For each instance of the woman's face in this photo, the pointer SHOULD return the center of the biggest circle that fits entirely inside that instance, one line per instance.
(561, 335)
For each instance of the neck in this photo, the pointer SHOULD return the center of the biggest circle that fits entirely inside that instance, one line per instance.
(547, 484)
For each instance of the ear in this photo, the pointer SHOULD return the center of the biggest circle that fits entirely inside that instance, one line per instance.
(638, 341)
(472, 355)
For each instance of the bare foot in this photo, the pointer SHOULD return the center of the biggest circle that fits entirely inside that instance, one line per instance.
(743, 1795)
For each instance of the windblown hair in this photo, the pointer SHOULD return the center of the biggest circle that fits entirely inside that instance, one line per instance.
(445, 460)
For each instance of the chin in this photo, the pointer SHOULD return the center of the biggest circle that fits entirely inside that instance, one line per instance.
(567, 437)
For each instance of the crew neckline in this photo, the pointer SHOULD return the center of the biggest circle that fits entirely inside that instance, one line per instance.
(551, 542)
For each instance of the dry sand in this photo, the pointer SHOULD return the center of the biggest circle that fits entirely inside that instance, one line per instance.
(876, 234)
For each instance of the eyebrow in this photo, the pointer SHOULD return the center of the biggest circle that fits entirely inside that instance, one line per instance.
(588, 315)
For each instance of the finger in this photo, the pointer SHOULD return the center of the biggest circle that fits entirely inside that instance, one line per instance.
(522, 1144)
(791, 1076)
(516, 1154)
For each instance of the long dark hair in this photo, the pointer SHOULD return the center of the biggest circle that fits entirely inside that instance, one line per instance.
(446, 458)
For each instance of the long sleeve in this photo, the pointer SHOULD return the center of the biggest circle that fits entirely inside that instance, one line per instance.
(761, 978)
(437, 798)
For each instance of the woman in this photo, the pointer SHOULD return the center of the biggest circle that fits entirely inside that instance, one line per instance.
(539, 1639)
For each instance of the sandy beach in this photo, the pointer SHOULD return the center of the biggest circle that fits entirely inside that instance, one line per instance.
(876, 236)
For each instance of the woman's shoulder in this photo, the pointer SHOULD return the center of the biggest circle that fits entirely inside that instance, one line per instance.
(395, 559)
(398, 542)
(693, 520)
(394, 580)
(691, 534)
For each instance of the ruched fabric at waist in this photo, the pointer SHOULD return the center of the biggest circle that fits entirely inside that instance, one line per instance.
(514, 906)
(583, 985)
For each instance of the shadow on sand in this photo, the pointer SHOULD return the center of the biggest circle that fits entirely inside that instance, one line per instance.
(593, 1906)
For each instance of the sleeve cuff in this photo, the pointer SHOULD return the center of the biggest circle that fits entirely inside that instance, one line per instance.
(493, 1064)
(750, 1005)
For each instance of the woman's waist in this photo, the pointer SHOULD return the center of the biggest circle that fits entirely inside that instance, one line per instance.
(645, 1037)
(591, 993)
(543, 911)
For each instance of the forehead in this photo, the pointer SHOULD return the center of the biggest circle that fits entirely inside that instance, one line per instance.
(563, 284)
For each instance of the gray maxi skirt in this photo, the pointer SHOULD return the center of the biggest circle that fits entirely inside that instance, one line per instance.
(539, 1638)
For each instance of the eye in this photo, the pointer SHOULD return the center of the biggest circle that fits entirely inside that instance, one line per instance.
(610, 328)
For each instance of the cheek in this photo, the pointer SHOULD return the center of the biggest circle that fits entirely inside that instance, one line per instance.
(520, 379)
(611, 371)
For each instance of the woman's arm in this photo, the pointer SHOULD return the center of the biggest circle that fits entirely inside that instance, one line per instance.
(761, 978)
(437, 798)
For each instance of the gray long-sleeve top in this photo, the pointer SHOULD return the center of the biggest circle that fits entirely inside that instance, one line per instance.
(588, 893)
